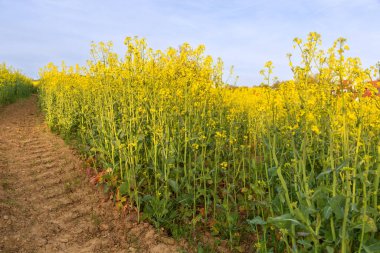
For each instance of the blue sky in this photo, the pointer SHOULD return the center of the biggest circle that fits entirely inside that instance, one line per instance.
(243, 33)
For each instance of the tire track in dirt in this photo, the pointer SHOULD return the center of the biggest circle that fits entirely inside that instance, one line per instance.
(46, 201)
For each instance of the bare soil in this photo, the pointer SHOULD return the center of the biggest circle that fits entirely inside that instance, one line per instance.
(46, 201)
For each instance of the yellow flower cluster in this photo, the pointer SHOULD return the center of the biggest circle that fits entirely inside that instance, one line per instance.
(176, 136)
(13, 85)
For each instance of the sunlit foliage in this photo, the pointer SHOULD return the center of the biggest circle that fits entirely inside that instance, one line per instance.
(13, 85)
(294, 168)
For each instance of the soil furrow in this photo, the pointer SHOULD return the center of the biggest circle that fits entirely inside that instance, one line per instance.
(47, 203)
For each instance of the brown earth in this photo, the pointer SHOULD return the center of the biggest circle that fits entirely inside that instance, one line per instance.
(46, 201)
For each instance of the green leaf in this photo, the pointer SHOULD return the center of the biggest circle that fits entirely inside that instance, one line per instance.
(305, 243)
(329, 249)
(321, 193)
(337, 169)
(326, 213)
(301, 214)
(283, 221)
(369, 224)
(257, 221)
(326, 172)
(173, 184)
(373, 248)
(272, 172)
(123, 188)
(337, 206)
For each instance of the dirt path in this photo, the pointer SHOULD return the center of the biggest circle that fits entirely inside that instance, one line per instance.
(46, 202)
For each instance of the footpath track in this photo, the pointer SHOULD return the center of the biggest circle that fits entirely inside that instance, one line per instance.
(46, 201)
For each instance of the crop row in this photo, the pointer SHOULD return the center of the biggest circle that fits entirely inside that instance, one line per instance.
(13, 85)
(291, 168)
